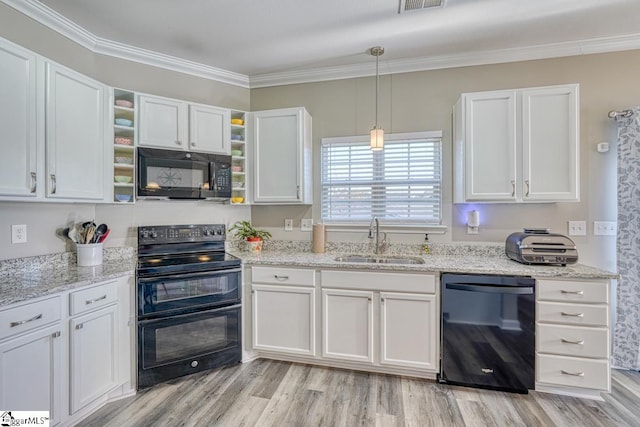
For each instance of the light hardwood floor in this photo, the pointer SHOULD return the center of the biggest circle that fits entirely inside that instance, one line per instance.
(273, 393)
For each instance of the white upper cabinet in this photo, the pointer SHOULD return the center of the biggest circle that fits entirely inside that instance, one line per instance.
(282, 156)
(162, 123)
(550, 143)
(209, 129)
(18, 163)
(75, 134)
(178, 125)
(517, 145)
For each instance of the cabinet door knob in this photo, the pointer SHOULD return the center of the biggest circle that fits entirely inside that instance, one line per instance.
(55, 334)
(79, 326)
(513, 188)
(193, 144)
(527, 184)
(53, 183)
(34, 182)
(178, 142)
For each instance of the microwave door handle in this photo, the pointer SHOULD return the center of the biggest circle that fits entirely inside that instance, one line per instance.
(213, 185)
(526, 290)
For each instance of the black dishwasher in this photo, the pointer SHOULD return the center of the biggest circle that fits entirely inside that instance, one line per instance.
(488, 332)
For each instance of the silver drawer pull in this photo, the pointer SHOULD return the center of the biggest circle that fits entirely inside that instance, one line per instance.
(572, 292)
(22, 322)
(513, 188)
(578, 342)
(277, 276)
(53, 184)
(91, 301)
(573, 374)
(572, 314)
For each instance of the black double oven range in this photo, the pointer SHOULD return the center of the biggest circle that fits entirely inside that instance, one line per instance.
(188, 301)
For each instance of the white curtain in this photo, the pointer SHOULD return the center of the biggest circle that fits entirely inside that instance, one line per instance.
(626, 339)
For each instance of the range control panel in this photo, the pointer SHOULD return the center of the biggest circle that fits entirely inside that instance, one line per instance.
(181, 233)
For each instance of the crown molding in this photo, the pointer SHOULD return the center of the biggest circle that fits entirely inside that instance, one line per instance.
(50, 18)
(58, 23)
(527, 53)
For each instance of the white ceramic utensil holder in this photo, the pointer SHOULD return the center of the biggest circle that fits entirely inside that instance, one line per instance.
(89, 255)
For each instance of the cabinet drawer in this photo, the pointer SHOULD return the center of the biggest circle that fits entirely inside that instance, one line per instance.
(29, 316)
(573, 291)
(92, 298)
(573, 314)
(379, 281)
(573, 372)
(283, 276)
(573, 340)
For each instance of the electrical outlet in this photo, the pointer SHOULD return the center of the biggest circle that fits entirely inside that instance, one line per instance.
(604, 228)
(577, 228)
(306, 224)
(19, 233)
(288, 225)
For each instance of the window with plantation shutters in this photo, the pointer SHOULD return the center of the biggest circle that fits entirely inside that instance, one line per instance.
(400, 184)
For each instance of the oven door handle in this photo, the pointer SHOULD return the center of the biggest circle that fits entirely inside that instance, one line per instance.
(188, 275)
(164, 318)
(525, 290)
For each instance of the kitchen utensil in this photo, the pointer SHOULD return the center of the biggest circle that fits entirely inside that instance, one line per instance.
(104, 236)
(100, 230)
(91, 230)
(72, 234)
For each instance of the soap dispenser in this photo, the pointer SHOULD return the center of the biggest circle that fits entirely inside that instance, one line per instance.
(425, 245)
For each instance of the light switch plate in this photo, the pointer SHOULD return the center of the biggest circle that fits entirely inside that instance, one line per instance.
(288, 225)
(605, 228)
(577, 228)
(306, 224)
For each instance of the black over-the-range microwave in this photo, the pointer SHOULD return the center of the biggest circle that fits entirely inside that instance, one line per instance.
(167, 174)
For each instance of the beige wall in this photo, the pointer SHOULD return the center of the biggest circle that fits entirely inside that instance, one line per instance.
(43, 220)
(423, 101)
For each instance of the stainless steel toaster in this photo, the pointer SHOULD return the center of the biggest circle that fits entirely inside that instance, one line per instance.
(541, 248)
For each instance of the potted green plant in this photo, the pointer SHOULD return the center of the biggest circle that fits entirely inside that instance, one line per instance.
(245, 231)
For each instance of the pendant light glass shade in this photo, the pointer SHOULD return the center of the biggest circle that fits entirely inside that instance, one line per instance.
(377, 139)
(377, 134)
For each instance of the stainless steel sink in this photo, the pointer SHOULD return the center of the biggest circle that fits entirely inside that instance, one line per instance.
(365, 259)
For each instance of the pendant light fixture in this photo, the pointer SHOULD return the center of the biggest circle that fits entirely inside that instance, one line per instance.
(377, 133)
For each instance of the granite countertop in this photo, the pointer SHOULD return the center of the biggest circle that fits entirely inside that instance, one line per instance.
(26, 278)
(452, 258)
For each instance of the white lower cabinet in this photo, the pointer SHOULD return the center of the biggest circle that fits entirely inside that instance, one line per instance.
(371, 320)
(30, 368)
(572, 335)
(94, 356)
(68, 353)
(284, 308)
(347, 325)
(408, 332)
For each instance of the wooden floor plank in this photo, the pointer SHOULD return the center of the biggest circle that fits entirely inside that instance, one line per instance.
(273, 393)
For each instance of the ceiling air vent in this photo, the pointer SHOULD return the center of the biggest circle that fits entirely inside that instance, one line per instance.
(413, 5)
